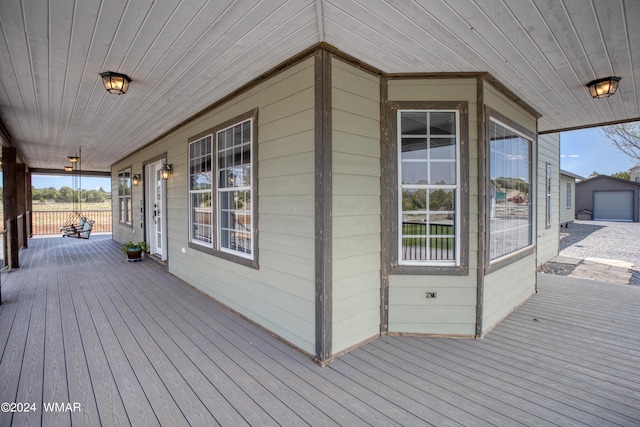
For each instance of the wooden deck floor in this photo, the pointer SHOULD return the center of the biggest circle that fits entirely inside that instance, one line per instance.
(131, 344)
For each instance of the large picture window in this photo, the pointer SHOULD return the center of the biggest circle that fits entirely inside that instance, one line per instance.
(200, 188)
(429, 187)
(222, 185)
(234, 188)
(510, 209)
(124, 196)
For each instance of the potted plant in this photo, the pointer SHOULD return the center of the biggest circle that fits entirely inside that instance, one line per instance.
(134, 251)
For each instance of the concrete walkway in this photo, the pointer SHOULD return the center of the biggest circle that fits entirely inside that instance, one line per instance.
(601, 250)
(605, 270)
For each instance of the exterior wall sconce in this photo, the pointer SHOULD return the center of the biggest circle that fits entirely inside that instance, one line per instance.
(68, 168)
(73, 159)
(136, 179)
(115, 83)
(166, 170)
(603, 88)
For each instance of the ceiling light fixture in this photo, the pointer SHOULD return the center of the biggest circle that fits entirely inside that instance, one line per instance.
(603, 88)
(115, 83)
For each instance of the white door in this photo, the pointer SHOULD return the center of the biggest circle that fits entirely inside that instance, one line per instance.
(156, 224)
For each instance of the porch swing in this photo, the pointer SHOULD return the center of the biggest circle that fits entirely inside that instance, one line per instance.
(77, 224)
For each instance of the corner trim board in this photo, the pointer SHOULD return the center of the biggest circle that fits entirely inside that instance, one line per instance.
(323, 207)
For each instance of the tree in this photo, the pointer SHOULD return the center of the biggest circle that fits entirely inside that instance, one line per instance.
(66, 194)
(625, 137)
(622, 175)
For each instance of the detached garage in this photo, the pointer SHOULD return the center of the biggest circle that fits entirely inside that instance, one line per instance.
(610, 199)
(613, 205)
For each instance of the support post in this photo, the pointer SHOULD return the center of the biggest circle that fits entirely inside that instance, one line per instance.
(10, 203)
(22, 205)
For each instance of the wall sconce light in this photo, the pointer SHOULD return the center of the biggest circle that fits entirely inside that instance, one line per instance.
(73, 159)
(136, 179)
(603, 88)
(166, 170)
(115, 83)
(68, 168)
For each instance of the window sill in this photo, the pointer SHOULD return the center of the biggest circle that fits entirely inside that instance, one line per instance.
(426, 270)
(251, 263)
(509, 259)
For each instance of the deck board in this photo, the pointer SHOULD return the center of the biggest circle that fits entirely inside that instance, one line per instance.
(151, 370)
(55, 373)
(494, 392)
(109, 404)
(79, 383)
(136, 346)
(544, 370)
(14, 350)
(559, 385)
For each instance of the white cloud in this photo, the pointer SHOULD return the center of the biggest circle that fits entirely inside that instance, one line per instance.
(573, 155)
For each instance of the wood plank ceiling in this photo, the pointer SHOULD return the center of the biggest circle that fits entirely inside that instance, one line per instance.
(184, 55)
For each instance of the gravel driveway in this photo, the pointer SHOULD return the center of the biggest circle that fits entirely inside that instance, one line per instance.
(603, 239)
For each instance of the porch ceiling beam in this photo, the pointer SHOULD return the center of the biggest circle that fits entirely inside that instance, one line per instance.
(42, 171)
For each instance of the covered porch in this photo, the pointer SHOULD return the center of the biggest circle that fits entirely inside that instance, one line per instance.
(117, 343)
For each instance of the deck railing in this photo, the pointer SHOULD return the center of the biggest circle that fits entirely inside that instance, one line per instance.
(416, 246)
(49, 222)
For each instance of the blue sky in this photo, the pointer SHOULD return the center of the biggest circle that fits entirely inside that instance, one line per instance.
(88, 183)
(584, 151)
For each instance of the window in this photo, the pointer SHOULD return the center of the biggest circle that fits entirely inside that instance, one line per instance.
(124, 196)
(222, 183)
(548, 190)
(510, 212)
(429, 187)
(200, 185)
(235, 210)
(568, 195)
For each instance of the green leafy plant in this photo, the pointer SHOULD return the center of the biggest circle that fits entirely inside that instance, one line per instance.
(133, 247)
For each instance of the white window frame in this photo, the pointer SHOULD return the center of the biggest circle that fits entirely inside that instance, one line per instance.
(192, 238)
(455, 187)
(124, 197)
(246, 188)
(548, 195)
(531, 224)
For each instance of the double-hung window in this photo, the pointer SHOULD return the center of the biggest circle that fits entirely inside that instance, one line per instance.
(510, 207)
(234, 188)
(429, 187)
(124, 196)
(221, 191)
(569, 197)
(200, 186)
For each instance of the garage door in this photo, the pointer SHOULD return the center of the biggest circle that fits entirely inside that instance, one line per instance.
(613, 205)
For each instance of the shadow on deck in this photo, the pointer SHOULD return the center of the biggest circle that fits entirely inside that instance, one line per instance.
(131, 344)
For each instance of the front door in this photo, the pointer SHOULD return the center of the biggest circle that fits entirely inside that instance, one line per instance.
(156, 223)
